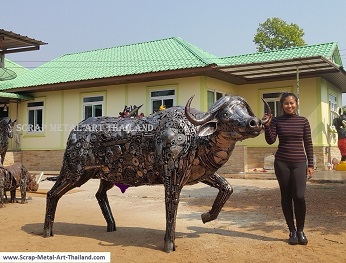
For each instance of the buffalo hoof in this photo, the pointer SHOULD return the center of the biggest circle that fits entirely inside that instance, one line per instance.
(206, 217)
(111, 228)
(169, 246)
(47, 233)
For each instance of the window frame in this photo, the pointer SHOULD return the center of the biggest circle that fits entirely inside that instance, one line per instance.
(277, 111)
(215, 96)
(92, 104)
(162, 97)
(35, 110)
(274, 101)
(333, 106)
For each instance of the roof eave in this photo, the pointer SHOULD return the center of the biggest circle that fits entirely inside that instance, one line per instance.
(145, 77)
(279, 69)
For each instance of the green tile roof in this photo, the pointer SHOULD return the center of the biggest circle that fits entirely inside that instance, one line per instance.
(154, 56)
(10, 67)
(20, 70)
(328, 51)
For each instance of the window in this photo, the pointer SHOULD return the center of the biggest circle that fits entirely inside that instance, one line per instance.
(35, 116)
(273, 99)
(161, 97)
(212, 97)
(332, 107)
(92, 106)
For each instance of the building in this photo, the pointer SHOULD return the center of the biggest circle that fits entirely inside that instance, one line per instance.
(75, 86)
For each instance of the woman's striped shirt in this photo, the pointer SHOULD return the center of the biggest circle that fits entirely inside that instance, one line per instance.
(294, 133)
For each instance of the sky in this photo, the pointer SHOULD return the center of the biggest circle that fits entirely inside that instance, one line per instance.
(220, 27)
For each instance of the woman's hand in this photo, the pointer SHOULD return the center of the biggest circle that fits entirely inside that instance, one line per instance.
(266, 119)
(309, 173)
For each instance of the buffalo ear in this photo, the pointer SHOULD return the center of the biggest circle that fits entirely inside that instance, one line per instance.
(208, 128)
(10, 121)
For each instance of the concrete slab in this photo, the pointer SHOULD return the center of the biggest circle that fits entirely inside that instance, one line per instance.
(319, 176)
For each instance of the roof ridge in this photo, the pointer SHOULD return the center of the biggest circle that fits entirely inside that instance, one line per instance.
(281, 50)
(126, 45)
(195, 51)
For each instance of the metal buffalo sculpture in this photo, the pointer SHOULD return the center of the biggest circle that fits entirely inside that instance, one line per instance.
(16, 176)
(174, 147)
(340, 125)
(6, 131)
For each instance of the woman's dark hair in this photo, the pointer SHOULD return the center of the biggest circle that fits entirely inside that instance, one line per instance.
(287, 94)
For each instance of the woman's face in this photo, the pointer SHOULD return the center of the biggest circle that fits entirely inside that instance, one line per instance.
(289, 105)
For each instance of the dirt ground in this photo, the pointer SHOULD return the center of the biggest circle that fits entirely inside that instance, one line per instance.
(250, 228)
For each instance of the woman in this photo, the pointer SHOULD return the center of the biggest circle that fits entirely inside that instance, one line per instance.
(293, 163)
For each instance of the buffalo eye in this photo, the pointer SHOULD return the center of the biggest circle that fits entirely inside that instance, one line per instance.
(225, 115)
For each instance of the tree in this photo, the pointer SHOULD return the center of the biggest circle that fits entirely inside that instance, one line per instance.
(276, 34)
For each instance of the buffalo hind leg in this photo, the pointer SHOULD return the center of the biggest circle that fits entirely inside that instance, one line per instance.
(225, 191)
(60, 187)
(102, 199)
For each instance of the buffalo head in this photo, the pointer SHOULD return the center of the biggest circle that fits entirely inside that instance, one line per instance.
(33, 183)
(231, 116)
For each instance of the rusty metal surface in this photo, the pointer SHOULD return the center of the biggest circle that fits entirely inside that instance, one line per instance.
(16, 176)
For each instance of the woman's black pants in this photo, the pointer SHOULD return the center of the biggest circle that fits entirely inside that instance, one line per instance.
(292, 181)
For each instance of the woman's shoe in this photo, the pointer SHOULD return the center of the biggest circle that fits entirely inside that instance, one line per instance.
(293, 239)
(302, 240)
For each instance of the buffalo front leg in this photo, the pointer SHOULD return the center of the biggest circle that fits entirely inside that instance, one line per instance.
(172, 193)
(225, 191)
(23, 185)
(102, 199)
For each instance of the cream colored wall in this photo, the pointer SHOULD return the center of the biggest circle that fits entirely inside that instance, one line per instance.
(51, 116)
(219, 86)
(185, 88)
(62, 111)
(327, 138)
(310, 106)
(252, 93)
(65, 107)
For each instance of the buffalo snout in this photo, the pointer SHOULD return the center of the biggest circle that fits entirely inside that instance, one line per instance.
(254, 124)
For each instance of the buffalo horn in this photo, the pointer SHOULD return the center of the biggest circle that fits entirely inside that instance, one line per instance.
(336, 114)
(267, 111)
(39, 178)
(209, 115)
